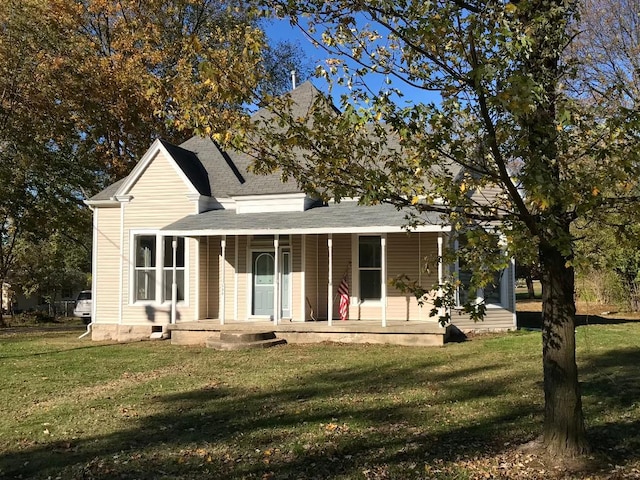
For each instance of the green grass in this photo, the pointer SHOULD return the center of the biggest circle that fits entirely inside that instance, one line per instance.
(82, 409)
(522, 293)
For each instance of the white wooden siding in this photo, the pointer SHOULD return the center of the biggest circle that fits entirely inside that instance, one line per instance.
(311, 275)
(341, 261)
(322, 276)
(495, 319)
(416, 256)
(107, 276)
(296, 278)
(209, 270)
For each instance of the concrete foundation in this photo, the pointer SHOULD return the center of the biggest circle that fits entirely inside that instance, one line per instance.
(409, 334)
(123, 333)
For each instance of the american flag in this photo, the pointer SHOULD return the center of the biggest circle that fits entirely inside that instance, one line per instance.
(343, 291)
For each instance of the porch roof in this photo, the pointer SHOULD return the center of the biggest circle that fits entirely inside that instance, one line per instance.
(345, 217)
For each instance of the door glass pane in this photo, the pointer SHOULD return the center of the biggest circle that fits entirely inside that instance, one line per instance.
(264, 269)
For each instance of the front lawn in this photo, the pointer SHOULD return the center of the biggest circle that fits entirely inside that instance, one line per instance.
(81, 409)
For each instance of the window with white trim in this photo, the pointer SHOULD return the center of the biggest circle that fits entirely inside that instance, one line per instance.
(167, 268)
(145, 267)
(370, 267)
(491, 294)
(153, 268)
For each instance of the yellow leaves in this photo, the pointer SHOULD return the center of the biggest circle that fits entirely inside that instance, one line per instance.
(414, 200)
(510, 8)
(543, 204)
(595, 191)
(334, 428)
(463, 187)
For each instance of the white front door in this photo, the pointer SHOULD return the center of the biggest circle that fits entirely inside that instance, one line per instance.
(263, 283)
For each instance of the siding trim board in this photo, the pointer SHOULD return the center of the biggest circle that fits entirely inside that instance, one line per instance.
(121, 263)
(94, 265)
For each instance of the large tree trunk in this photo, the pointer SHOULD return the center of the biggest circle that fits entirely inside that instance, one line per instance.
(564, 430)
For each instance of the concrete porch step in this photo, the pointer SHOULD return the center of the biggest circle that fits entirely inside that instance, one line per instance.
(237, 340)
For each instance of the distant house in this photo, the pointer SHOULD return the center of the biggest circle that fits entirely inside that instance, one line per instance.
(250, 249)
(14, 301)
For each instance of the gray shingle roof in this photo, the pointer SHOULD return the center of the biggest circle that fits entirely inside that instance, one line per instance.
(228, 171)
(347, 216)
(191, 166)
(219, 173)
(108, 192)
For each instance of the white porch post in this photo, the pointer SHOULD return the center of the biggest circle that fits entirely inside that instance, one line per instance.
(442, 311)
(208, 268)
(223, 254)
(174, 284)
(303, 281)
(440, 264)
(236, 242)
(276, 280)
(383, 280)
(330, 284)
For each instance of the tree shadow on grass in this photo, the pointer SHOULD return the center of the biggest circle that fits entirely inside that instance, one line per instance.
(319, 425)
(54, 352)
(326, 424)
(611, 383)
(533, 320)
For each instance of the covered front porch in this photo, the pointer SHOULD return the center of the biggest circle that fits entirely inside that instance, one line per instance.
(328, 263)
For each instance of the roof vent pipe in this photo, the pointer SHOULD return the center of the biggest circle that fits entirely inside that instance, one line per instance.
(293, 79)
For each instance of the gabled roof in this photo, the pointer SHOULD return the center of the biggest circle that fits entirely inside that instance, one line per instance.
(212, 171)
(228, 171)
(191, 166)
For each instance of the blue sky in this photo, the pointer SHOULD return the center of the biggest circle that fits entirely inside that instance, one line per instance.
(279, 30)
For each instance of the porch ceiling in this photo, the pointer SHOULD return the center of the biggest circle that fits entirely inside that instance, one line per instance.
(345, 217)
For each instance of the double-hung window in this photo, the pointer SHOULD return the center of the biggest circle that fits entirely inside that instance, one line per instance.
(167, 267)
(145, 267)
(153, 275)
(370, 267)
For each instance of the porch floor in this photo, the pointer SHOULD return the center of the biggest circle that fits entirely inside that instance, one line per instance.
(349, 331)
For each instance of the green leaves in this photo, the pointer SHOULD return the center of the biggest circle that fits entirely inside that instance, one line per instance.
(505, 143)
